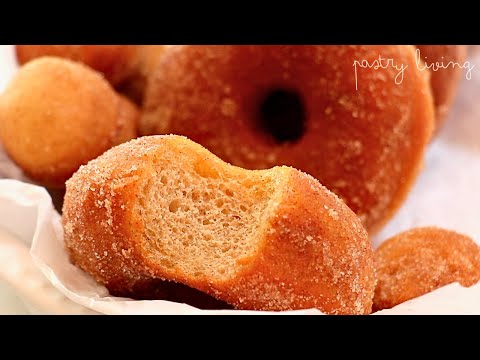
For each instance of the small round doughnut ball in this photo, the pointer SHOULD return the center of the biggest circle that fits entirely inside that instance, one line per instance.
(115, 62)
(56, 115)
(444, 81)
(421, 260)
(256, 106)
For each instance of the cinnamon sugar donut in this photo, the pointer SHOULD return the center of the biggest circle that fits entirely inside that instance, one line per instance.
(421, 260)
(57, 114)
(115, 62)
(260, 106)
(163, 207)
(444, 81)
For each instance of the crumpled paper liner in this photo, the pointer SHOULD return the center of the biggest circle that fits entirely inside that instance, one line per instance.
(38, 220)
(34, 294)
(25, 211)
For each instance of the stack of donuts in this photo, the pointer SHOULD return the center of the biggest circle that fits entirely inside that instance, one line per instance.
(353, 123)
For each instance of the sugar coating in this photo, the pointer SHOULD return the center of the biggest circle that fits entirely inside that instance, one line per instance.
(421, 260)
(163, 207)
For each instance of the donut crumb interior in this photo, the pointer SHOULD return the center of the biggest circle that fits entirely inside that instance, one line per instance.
(203, 219)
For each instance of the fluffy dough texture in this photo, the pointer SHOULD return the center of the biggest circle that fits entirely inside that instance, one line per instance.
(163, 207)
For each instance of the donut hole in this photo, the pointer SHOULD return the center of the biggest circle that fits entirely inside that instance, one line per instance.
(282, 115)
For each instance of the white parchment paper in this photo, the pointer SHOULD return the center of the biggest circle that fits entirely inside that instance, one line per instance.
(26, 211)
(446, 194)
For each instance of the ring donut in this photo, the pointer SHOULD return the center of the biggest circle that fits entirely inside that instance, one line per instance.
(358, 130)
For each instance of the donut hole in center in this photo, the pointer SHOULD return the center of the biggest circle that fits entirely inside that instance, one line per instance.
(282, 115)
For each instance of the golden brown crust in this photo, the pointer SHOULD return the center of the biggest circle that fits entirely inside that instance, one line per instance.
(421, 260)
(365, 145)
(115, 62)
(314, 252)
(444, 81)
(58, 114)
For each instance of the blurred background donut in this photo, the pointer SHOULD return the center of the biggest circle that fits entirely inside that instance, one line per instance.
(126, 67)
(445, 80)
(115, 62)
(57, 114)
